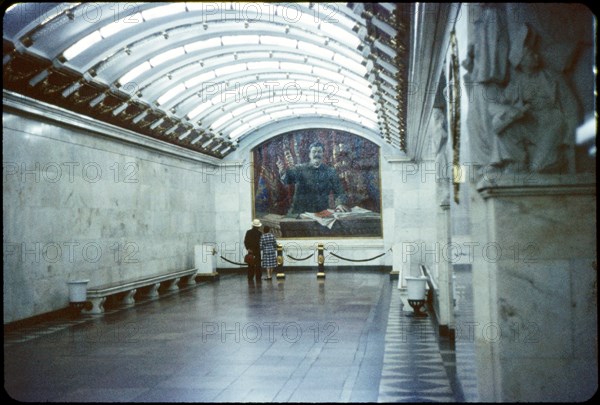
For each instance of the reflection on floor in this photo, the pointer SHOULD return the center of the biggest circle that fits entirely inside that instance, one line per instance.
(298, 339)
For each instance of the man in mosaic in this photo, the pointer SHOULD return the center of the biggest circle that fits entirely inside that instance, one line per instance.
(314, 183)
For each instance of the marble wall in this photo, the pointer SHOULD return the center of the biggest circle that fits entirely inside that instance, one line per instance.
(80, 204)
(413, 206)
(535, 290)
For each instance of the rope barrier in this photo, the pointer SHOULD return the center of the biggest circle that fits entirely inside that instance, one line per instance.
(307, 257)
(359, 260)
(312, 254)
(239, 264)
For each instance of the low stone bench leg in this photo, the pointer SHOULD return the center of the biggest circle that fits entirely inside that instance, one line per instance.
(97, 306)
(153, 291)
(128, 299)
(191, 280)
(172, 284)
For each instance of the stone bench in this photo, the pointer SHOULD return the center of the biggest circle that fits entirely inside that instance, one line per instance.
(97, 295)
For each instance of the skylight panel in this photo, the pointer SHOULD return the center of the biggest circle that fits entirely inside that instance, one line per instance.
(120, 25)
(230, 40)
(222, 120)
(349, 115)
(353, 54)
(251, 116)
(361, 85)
(328, 75)
(241, 130)
(350, 64)
(283, 84)
(243, 109)
(165, 56)
(268, 65)
(163, 11)
(281, 114)
(365, 102)
(207, 7)
(289, 56)
(326, 110)
(341, 35)
(337, 17)
(305, 4)
(135, 72)
(297, 84)
(347, 105)
(82, 45)
(180, 88)
(316, 50)
(278, 41)
(192, 115)
(296, 67)
(307, 19)
(259, 121)
(263, 102)
(305, 111)
(202, 45)
(226, 70)
(365, 122)
(290, 12)
(202, 78)
(255, 55)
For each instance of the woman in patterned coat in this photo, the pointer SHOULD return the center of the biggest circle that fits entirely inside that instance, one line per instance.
(268, 246)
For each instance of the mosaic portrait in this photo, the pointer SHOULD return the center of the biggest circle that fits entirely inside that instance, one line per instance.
(318, 183)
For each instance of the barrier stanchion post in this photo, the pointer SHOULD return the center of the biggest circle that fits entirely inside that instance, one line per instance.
(321, 261)
(280, 273)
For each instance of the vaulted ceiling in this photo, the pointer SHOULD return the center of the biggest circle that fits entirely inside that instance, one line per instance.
(209, 76)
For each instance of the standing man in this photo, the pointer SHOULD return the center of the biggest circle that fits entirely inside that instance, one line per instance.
(314, 182)
(252, 244)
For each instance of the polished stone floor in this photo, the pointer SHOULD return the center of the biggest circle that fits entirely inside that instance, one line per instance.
(299, 339)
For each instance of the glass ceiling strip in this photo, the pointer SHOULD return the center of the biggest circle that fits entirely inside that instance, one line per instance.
(209, 111)
(317, 24)
(290, 92)
(241, 113)
(220, 83)
(249, 127)
(283, 110)
(193, 84)
(335, 62)
(266, 80)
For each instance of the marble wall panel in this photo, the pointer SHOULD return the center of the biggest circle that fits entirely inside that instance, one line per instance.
(80, 205)
(537, 303)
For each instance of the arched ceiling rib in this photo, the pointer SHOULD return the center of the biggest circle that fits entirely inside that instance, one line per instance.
(208, 75)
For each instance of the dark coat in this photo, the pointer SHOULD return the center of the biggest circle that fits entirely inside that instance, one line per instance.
(313, 186)
(252, 242)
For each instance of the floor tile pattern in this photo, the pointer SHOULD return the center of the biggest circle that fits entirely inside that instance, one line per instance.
(413, 369)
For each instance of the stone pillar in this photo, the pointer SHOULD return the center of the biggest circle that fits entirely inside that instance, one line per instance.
(534, 287)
